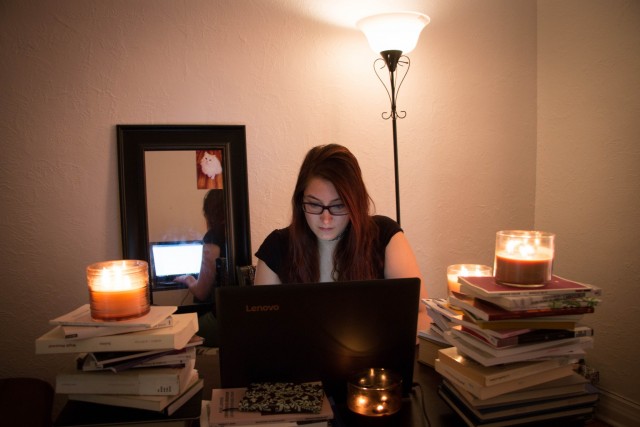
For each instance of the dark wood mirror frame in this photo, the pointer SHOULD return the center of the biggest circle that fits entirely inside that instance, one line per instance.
(135, 140)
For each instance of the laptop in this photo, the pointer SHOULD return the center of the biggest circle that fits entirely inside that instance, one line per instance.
(172, 259)
(321, 331)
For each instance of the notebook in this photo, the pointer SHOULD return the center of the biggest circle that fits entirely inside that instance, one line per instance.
(172, 259)
(321, 331)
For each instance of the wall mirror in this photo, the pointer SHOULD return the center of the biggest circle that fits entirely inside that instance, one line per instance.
(165, 172)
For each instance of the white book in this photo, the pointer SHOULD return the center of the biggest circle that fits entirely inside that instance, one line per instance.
(584, 342)
(81, 316)
(72, 332)
(485, 392)
(166, 404)
(174, 337)
(488, 359)
(148, 381)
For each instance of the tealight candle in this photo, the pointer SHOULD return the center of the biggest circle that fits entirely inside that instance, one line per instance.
(464, 270)
(118, 290)
(375, 393)
(524, 258)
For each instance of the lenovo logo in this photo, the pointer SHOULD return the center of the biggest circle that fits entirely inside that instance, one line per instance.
(252, 308)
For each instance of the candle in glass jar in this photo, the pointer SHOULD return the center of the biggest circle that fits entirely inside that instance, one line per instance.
(464, 270)
(118, 290)
(374, 393)
(524, 258)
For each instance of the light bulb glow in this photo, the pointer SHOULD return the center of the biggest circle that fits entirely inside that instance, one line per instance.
(393, 31)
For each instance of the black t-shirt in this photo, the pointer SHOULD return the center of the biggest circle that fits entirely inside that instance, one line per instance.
(275, 247)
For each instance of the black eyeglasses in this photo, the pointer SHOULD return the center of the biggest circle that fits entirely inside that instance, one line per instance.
(316, 209)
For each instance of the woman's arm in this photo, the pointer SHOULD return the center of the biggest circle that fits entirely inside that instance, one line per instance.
(264, 275)
(201, 287)
(400, 262)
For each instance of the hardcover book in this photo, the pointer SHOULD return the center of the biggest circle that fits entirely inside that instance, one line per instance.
(488, 287)
(174, 337)
(587, 398)
(571, 415)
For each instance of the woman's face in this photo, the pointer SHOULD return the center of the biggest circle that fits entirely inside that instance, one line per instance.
(325, 226)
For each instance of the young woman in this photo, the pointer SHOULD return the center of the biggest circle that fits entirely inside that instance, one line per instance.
(332, 235)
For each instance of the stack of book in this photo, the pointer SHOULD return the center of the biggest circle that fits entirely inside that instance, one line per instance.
(514, 351)
(146, 365)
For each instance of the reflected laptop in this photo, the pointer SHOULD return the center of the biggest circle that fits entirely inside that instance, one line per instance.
(172, 259)
(321, 331)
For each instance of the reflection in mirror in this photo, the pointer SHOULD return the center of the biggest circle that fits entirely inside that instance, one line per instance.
(183, 192)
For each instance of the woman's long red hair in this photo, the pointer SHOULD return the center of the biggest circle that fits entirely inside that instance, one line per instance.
(354, 257)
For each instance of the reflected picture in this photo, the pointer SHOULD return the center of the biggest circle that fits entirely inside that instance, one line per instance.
(209, 167)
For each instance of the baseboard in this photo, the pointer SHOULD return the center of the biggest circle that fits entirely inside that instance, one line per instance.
(616, 410)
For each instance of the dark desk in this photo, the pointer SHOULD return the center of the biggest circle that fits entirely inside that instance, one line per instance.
(411, 414)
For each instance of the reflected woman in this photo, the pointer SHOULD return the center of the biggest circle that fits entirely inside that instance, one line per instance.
(215, 246)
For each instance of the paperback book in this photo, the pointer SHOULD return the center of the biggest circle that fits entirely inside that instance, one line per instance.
(73, 332)
(572, 385)
(165, 404)
(224, 411)
(121, 361)
(148, 381)
(174, 337)
(445, 317)
(583, 342)
(485, 392)
(534, 336)
(82, 317)
(485, 310)
(491, 375)
(573, 350)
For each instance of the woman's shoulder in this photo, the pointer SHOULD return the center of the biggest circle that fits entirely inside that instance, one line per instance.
(386, 223)
(278, 238)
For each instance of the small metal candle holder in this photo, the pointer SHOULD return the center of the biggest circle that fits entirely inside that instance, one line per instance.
(118, 290)
(524, 258)
(374, 393)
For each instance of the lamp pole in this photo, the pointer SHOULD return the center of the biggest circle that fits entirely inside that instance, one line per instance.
(391, 59)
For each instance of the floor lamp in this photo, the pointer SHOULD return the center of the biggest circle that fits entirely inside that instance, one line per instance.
(393, 35)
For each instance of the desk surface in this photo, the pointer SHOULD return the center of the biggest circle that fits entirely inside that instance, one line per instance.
(411, 414)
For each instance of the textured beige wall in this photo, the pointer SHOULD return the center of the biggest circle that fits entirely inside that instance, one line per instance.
(297, 74)
(588, 168)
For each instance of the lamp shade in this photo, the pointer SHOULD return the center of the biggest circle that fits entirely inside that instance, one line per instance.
(393, 31)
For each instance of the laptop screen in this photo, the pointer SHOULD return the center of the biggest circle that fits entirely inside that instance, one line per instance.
(172, 259)
(321, 331)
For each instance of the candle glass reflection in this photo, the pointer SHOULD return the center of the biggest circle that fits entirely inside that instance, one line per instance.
(118, 290)
(524, 258)
(375, 393)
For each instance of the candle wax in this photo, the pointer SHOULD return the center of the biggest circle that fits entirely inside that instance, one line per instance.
(522, 271)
